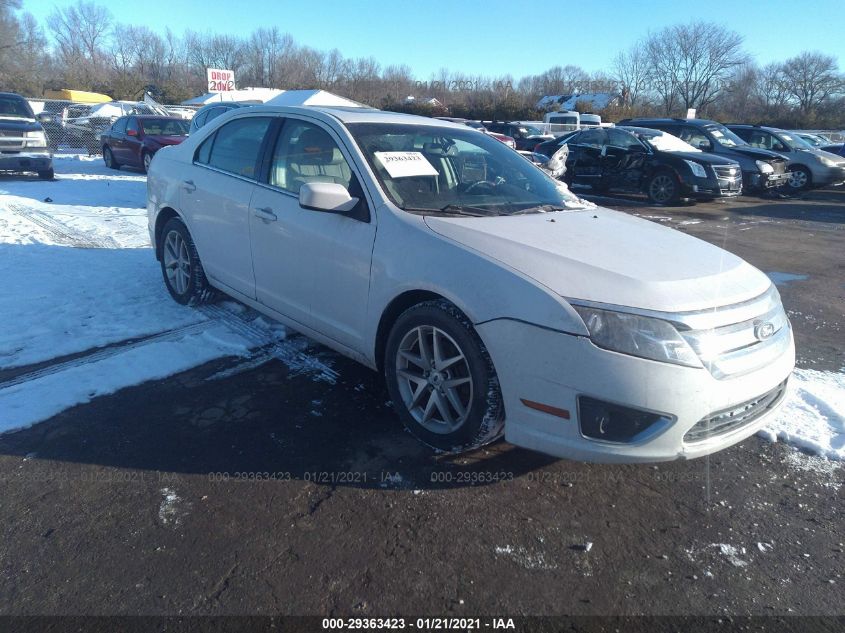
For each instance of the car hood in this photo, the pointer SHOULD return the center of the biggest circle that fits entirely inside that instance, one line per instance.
(14, 124)
(166, 140)
(610, 257)
(756, 153)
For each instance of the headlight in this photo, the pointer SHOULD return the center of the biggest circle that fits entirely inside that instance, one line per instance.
(697, 169)
(35, 139)
(764, 167)
(637, 336)
(827, 162)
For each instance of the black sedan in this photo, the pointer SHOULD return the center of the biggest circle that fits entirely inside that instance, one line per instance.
(645, 160)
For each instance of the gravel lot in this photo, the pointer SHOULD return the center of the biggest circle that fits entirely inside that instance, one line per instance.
(267, 487)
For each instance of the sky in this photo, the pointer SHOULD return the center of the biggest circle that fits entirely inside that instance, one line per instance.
(492, 37)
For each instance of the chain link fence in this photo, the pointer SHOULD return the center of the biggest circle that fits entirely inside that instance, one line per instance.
(77, 127)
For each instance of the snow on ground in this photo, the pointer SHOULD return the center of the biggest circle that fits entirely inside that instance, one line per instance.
(813, 416)
(84, 309)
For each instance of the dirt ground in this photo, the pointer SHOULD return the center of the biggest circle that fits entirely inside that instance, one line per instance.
(265, 491)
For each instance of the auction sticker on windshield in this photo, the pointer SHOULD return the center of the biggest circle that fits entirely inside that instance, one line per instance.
(405, 164)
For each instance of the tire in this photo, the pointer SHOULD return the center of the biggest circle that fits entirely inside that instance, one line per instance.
(47, 174)
(800, 178)
(108, 158)
(663, 188)
(181, 267)
(146, 159)
(462, 416)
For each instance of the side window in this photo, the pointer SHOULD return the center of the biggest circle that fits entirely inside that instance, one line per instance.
(592, 138)
(204, 151)
(119, 126)
(622, 139)
(744, 133)
(305, 153)
(236, 146)
(132, 124)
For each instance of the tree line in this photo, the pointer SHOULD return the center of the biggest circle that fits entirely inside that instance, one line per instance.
(698, 65)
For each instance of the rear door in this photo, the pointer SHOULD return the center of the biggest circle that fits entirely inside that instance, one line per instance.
(312, 266)
(216, 198)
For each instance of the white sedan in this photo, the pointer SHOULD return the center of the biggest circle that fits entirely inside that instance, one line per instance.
(492, 299)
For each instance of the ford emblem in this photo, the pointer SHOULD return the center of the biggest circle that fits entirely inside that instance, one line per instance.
(764, 330)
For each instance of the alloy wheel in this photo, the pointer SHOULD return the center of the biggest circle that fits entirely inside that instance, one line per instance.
(662, 188)
(177, 262)
(798, 179)
(434, 379)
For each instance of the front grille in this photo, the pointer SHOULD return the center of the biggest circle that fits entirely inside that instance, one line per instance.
(726, 171)
(728, 420)
(729, 177)
(11, 145)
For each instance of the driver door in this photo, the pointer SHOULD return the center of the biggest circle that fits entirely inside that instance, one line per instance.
(587, 160)
(624, 160)
(312, 266)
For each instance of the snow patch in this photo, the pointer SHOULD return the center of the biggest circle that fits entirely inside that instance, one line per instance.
(812, 417)
(525, 558)
(170, 510)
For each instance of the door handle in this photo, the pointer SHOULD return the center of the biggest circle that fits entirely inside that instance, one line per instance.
(265, 213)
(189, 186)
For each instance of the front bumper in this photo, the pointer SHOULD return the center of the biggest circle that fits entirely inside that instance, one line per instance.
(25, 161)
(762, 182)
(826, 176)
(552, 368)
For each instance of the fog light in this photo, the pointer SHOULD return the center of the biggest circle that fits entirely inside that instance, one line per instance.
(614, 423)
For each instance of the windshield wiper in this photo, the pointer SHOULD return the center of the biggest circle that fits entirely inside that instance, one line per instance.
(540, 208)
(459, 209)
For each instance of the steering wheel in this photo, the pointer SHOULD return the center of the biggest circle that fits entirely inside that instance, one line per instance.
(481, 183)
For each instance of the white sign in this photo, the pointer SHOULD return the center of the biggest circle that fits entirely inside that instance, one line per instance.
(220, 80)
(690, 113)
(405, 164)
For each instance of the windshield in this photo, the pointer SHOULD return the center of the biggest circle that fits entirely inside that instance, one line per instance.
(794, 141)
(440, 170)
(725, 137)
(667, 143)
(15, 108)
(164, 127)
(530, 130)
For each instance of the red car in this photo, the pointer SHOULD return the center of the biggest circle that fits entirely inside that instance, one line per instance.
(133, 140)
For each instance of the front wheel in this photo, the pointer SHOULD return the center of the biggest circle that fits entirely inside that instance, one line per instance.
(663, 188)
(799, 178)
(181, 266)
(47, 174)
(146, 159)
(441, 378)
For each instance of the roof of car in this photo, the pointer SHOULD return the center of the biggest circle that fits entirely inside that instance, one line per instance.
(639, 130)
(360, 115)
(668, 120)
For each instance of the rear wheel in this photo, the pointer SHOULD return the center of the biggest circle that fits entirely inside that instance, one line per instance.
(47, 174)
(441, 378)
(181, 266)
(108, 158)
(662, 188)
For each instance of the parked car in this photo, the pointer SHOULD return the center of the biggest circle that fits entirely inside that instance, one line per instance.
(492, 298)
(808, 167)
(819, 141)
(525, 136)
(478, 125)
(23, 143)
(85, 130)
(52, 120)
(762, 170)
(134, 140)
(658, 164)
(211, 111)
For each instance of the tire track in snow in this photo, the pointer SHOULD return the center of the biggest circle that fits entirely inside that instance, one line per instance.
(60, 232)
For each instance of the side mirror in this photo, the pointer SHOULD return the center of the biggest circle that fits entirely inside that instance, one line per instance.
(43, 117)
(326, 196)
(705, 146)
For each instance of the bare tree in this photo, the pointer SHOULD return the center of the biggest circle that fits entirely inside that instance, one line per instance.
(811, 78)
(631, 71)
(690, 63)
(81, 31)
